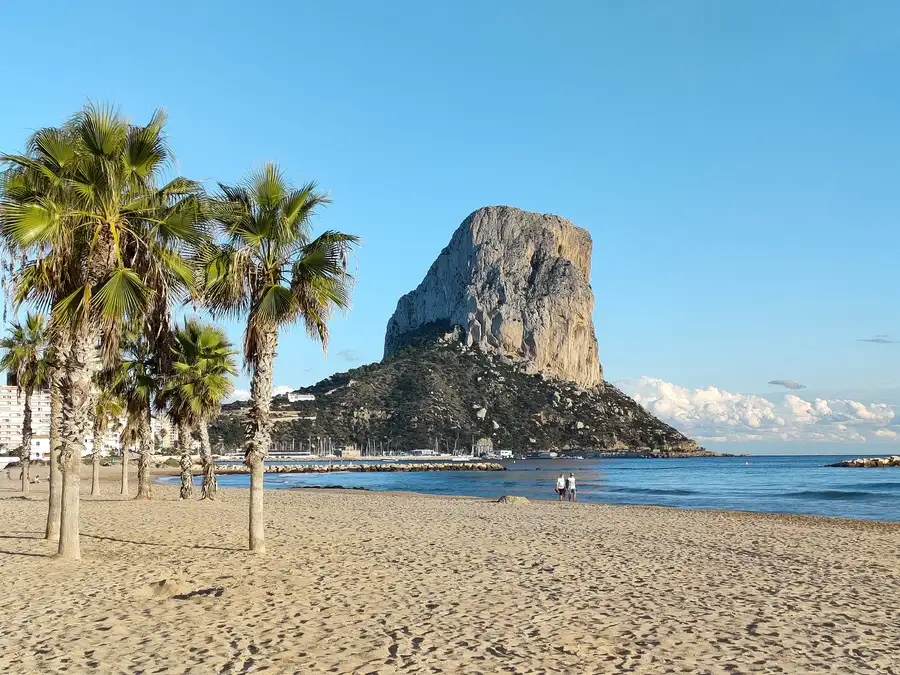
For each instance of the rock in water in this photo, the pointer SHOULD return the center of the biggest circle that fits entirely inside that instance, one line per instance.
(513, 282)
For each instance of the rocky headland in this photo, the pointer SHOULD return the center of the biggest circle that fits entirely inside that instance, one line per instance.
(497, 343)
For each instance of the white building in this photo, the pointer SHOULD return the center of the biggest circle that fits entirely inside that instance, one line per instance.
(12, 412)
(162, 430)
(424, 452)
(293, 397)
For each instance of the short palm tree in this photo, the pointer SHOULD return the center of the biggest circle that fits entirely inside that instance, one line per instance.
(24, 357)
(108, 408)
(129, 438)
(178, 411)
(104, 245)
(137, 384)
(202, 363)
(269, 269)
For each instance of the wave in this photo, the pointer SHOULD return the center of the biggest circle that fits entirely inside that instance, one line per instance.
(653, 491)
(845, 495)
(889, 485)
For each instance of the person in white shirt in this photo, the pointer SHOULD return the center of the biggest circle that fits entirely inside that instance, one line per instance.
(570, 487)
(561, 486)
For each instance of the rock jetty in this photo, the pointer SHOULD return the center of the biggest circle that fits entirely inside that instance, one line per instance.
(868, 462)
(333, 468)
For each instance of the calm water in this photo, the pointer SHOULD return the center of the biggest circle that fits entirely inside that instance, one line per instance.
(796, 484)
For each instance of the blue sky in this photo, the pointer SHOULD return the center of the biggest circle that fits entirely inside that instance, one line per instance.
(737, 164)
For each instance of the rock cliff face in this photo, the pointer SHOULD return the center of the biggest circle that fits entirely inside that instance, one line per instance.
(515, 283)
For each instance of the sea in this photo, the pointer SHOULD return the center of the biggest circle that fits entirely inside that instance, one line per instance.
(799, 484)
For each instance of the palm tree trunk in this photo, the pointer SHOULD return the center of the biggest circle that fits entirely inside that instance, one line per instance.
(187, 464)
(95, 456)
(25, 451)
(210, 484)
(125, 452)
(76, 427)
(56, 413)
(260, 434)
(146, 440)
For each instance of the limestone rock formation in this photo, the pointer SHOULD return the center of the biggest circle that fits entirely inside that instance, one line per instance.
(497, 344)
(515, 283)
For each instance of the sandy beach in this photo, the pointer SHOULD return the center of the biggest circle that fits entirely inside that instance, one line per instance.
(358, 582)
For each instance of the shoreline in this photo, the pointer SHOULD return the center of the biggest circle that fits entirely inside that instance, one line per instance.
(891, 525)
(391, 582)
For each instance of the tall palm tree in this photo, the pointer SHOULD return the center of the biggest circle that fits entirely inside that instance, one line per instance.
(107, 409)
(203, 361)
(42, 278)
(269, 268)
(24, 357)
(84, 204)
(55, 357)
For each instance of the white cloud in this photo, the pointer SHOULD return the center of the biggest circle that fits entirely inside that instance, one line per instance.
(713, 414)
(238, 395)
(244, 394)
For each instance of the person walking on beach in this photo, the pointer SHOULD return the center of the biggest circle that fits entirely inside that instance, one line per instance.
(561, 487)
(570, 488)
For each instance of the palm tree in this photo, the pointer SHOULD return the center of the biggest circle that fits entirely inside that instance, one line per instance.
(55, 357)
(129, 438)
(45, 279)
(25, 347)
(137, 383)
(180, 416)
(104, 247)
(270, 269)
(203, 360)
(107, 409)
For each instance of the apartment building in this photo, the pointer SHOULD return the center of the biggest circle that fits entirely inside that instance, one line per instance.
(12, 412)
(163, 431)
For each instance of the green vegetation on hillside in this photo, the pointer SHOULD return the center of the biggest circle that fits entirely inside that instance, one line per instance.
(435, 388)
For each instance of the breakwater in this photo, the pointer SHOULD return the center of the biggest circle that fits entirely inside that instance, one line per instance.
(366, 468)
(868, 462)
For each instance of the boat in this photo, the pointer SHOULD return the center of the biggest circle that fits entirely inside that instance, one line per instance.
(461, 458)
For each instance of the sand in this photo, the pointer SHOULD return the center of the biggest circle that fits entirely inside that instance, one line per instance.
(358, 582)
